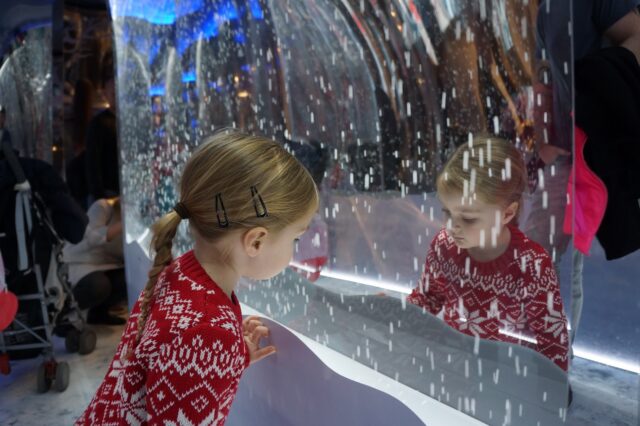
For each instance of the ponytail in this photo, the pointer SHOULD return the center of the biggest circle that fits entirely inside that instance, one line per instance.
(163, 230)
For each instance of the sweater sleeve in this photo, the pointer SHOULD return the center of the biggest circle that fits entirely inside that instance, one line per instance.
(545, 314)
(430, 293)
(195, 377)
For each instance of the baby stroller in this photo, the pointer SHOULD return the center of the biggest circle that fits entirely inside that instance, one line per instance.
(31, 247)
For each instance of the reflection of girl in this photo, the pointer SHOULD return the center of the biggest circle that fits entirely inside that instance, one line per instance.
(185, 345)
(490, 279)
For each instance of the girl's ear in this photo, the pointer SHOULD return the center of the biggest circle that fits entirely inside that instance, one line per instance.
(510, 212)
(253, 241)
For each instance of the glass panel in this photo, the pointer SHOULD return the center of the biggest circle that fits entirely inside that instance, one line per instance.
(373, 97)
(25, 81)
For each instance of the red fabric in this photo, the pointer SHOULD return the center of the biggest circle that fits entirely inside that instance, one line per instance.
(514, 298)
(8, 308)
(590, 199)
(186, 368)
(312, 268)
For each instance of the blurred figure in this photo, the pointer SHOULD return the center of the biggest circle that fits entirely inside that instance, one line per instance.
(6, 137)
(75, 171)
(96, 264)
(102, 169)
(595, 24)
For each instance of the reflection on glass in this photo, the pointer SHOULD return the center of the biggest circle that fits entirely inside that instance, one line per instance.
(487, 276)
(373, 97)
(25, 88)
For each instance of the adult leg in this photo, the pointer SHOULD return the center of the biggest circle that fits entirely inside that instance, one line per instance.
(118, 286)
(576, 293)
(92, 290)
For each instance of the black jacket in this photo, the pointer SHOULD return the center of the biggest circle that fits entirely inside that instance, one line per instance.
(69, 220)
(608, 110)
(101, 160)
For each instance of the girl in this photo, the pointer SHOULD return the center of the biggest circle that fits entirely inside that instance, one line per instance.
(184, 347)
(490, 279)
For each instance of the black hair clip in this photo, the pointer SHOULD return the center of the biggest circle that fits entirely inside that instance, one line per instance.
(220, 207)
(262, 211)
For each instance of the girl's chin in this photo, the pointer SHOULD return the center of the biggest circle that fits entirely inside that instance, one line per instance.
(460, 242)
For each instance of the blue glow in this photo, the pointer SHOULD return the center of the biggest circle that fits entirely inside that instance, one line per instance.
(189, 76)
(210, 27)
(184, 41)
(154, 50)
(228, 11)
(162, 12)
(240, 38)
(256, 10)
(186, 7)
(156, 90)
(245, 68)
(214, 85)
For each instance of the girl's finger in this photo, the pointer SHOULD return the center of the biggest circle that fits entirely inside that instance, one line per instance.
(252, 325)
(262, 353)
(259, 333)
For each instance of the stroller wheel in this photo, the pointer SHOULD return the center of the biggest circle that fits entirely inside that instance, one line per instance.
(5, 366)
(62, 376)
(44, 382)
(86, 342)
(72, 340)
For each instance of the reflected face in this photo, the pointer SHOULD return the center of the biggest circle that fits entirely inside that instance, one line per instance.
(278, 249)
(471, 224)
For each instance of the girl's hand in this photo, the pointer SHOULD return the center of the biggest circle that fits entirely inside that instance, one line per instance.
(253, 331)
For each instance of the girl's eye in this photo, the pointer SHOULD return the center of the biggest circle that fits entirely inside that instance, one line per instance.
(468, 220)
(297, 240)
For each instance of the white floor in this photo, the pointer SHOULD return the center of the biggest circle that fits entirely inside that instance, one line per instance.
(602, 395)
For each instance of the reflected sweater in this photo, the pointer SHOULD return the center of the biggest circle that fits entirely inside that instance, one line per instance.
(514, 298)
(186, 368)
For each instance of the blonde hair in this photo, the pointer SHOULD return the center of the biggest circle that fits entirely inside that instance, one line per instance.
(492, 168)
(227, 166)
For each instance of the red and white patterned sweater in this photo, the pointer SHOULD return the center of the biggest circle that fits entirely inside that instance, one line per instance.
(513, 298)
(186, 368)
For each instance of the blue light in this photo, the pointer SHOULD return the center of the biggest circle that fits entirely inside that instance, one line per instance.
(214, 85)
(228, 11)
(153, 51)
(256, 10)
(245, 68)
(156, 90)
(240, 38)
(186, 7)
(189, 77)
(210, 27)
(184, 41)
(162, 12)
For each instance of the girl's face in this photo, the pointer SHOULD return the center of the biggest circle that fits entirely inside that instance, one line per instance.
(474, 223)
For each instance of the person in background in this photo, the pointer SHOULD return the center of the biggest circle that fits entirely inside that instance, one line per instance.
(96, 264)
(101, 163)
(596, 23)
(76, 169)
(6, 136)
